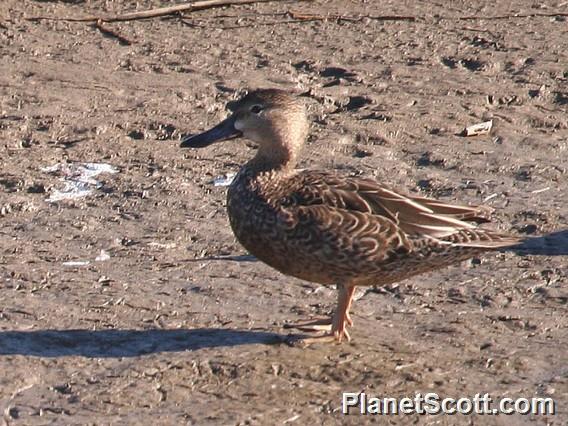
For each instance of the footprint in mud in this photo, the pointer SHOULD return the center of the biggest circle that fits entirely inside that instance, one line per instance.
(561, 98)
(467, 63)
(337, 72)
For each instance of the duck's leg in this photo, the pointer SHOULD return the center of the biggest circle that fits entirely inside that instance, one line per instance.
(351, 290)
(322, 324)
(325, 324)
(340, 318)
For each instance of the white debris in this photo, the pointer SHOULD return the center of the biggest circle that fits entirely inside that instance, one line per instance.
(76, 263)
(360, 292)
(479, 128)
(161, 245)
(103, 255)
(225, 180)
(538, 191)
(78, 178)
(69, 191)
(291, 419)
(51, 169)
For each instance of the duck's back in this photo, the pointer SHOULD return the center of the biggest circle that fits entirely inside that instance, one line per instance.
(326, 228)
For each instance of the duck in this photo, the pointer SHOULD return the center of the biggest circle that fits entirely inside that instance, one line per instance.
(329, 228)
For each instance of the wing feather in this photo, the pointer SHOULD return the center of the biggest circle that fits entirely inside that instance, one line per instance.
(409, 217)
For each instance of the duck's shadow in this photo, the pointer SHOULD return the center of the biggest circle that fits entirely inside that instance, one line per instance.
(124, 343)
(554, 244)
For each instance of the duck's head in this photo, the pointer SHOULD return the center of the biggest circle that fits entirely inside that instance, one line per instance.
(273, 118)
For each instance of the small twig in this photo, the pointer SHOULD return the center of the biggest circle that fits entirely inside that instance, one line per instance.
(479, 30)
(209, 4)
(111, 33)
(498, 17)
(7, 415)
(310, 17)
(392, 18)
(153, 13)
(191, 24)
(538, 191)
(256, 24)
(299, 16)
(490, 197)
(239, 16)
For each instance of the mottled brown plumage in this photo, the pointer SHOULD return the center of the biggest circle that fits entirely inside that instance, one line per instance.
(331, 229)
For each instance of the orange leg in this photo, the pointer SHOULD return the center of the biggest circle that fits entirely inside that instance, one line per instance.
(325, 324)
(341, 315)
(339, 321)
(351, 290)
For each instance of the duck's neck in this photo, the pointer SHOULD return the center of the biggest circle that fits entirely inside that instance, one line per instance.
(273, 159)
(278, 148)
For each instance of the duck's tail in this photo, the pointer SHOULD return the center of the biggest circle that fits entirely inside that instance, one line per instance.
(482, 239)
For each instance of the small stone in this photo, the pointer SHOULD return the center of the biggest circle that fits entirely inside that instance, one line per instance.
(104, 280)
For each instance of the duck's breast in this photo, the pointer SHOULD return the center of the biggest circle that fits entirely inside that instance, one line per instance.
(254, 218)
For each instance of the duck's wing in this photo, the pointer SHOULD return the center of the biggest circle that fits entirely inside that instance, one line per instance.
(412, 217)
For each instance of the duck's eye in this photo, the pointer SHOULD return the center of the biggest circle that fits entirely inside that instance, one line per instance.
(255, 109)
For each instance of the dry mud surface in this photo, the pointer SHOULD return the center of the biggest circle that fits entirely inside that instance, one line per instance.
(170, 322)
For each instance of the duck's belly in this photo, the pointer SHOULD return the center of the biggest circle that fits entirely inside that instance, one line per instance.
(278, 255)
(287, 251)
(315, 265)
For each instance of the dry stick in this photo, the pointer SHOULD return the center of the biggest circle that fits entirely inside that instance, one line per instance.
(208, 4)
(518, 15)
(300, 18)
(154, 13)
(309, 17)
(257, 24)
(111, 33)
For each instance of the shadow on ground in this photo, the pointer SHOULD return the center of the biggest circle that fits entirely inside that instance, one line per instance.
(554, 244)
(124, 343)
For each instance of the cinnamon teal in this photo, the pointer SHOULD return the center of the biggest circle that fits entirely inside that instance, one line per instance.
(327, 228)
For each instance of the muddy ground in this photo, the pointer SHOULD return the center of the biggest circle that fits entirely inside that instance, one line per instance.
(174, 323)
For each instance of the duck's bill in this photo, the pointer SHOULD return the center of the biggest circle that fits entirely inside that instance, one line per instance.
(221, 132)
